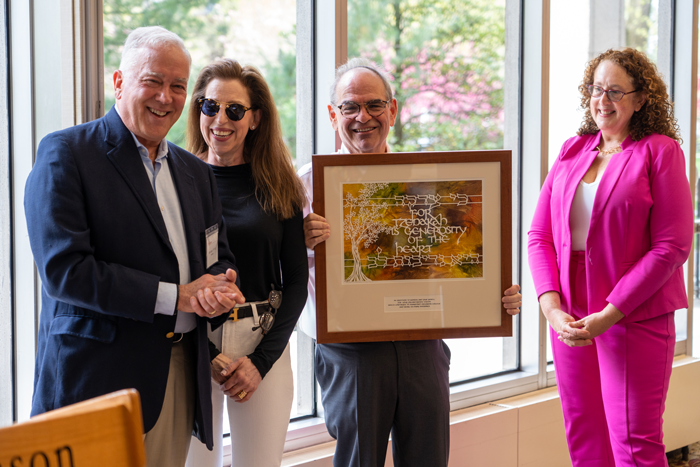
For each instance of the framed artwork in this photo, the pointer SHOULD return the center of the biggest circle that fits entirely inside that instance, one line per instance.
(420, 245)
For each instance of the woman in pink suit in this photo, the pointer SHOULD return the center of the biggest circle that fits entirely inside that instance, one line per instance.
(612, 228)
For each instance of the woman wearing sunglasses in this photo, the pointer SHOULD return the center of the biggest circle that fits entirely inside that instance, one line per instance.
(612, 228)
(234, 126)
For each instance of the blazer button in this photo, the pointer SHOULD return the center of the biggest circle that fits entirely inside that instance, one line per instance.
(170, 335)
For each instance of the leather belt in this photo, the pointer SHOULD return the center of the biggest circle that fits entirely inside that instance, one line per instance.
(247, 311)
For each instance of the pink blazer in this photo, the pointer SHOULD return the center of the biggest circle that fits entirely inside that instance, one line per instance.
(640, 233)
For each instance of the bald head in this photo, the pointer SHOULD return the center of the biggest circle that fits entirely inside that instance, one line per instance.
(363, 133)
(355, 63)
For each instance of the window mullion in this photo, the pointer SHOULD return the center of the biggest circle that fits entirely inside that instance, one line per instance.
(6, 353)
(535, 157)
(685, 75)
(22, 149)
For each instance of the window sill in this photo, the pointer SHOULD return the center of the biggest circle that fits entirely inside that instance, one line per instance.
(308, 434)
(305, 433)
(312, 431)
(490, 389)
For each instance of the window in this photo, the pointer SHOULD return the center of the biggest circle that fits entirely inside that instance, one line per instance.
(6, 351)
(600, 26)
(258, 33)
(574, 43)
(448, 64)
(525, 101)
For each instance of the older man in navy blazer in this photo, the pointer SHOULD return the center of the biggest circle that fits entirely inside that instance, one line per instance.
(128, 238)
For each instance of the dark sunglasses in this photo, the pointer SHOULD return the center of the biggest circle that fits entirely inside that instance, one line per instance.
(210, 108)
(267, 318)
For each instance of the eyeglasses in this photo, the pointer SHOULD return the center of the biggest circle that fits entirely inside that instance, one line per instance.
(615, 96)
(210, 108)
(267, 318)
(375, 108)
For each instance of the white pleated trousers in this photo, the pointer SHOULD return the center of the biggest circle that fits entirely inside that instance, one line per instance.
(258, 426)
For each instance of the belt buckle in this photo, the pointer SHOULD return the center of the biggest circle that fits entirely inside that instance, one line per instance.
(234, 315)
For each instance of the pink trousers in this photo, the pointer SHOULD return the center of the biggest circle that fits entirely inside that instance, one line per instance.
(613, 392)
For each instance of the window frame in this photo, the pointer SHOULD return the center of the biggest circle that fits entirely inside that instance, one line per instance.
(684, 66)
(22, 149)
(527, 26)
(7, 409)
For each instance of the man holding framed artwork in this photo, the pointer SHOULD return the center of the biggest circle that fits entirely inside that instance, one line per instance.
(373, 389)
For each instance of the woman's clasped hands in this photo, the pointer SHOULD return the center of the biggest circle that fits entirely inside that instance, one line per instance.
(238, 379)
(569, 331)
(578, 333)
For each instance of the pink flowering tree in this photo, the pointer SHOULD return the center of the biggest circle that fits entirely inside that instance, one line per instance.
(447, 60)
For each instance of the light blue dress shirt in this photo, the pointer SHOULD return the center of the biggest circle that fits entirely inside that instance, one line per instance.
(169, 203)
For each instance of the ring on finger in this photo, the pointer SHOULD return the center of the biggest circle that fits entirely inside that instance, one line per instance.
(242, 394)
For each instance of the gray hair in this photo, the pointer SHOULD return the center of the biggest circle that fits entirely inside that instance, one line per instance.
(359, 62)
(149, 37)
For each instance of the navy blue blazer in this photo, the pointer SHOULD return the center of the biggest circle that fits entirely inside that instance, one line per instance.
(101, 247)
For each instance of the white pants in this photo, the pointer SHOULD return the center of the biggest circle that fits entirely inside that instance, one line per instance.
(258, 426)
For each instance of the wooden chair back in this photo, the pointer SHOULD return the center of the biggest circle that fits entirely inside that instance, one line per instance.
(105, 431)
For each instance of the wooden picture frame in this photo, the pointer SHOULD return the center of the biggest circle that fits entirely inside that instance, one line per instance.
(420, 245)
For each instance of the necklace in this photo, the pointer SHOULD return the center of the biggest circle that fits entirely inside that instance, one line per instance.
(606, 152)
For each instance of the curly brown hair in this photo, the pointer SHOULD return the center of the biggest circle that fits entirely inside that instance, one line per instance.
(656, 114)
(277, 187)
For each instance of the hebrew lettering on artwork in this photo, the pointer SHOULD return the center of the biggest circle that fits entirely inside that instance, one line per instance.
(413, 230)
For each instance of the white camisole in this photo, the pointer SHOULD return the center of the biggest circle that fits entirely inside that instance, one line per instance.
(581, 210)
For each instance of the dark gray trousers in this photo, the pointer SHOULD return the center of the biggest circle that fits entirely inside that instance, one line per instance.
(372, 389)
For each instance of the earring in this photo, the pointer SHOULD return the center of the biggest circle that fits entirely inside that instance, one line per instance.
(253, 127)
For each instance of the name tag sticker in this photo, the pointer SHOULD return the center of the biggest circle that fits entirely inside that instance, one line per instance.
(212, 239)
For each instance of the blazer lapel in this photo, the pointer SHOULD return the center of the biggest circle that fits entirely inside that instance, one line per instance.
(125, 158)
(611, 175)
(581, 166)
(191, 215)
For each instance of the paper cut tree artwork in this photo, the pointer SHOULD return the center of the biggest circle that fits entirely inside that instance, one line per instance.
(363, 222)
(412, 230)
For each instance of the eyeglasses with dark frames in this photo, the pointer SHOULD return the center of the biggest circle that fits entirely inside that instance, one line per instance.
(613, 95)
(375, 108)
(210, 108)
